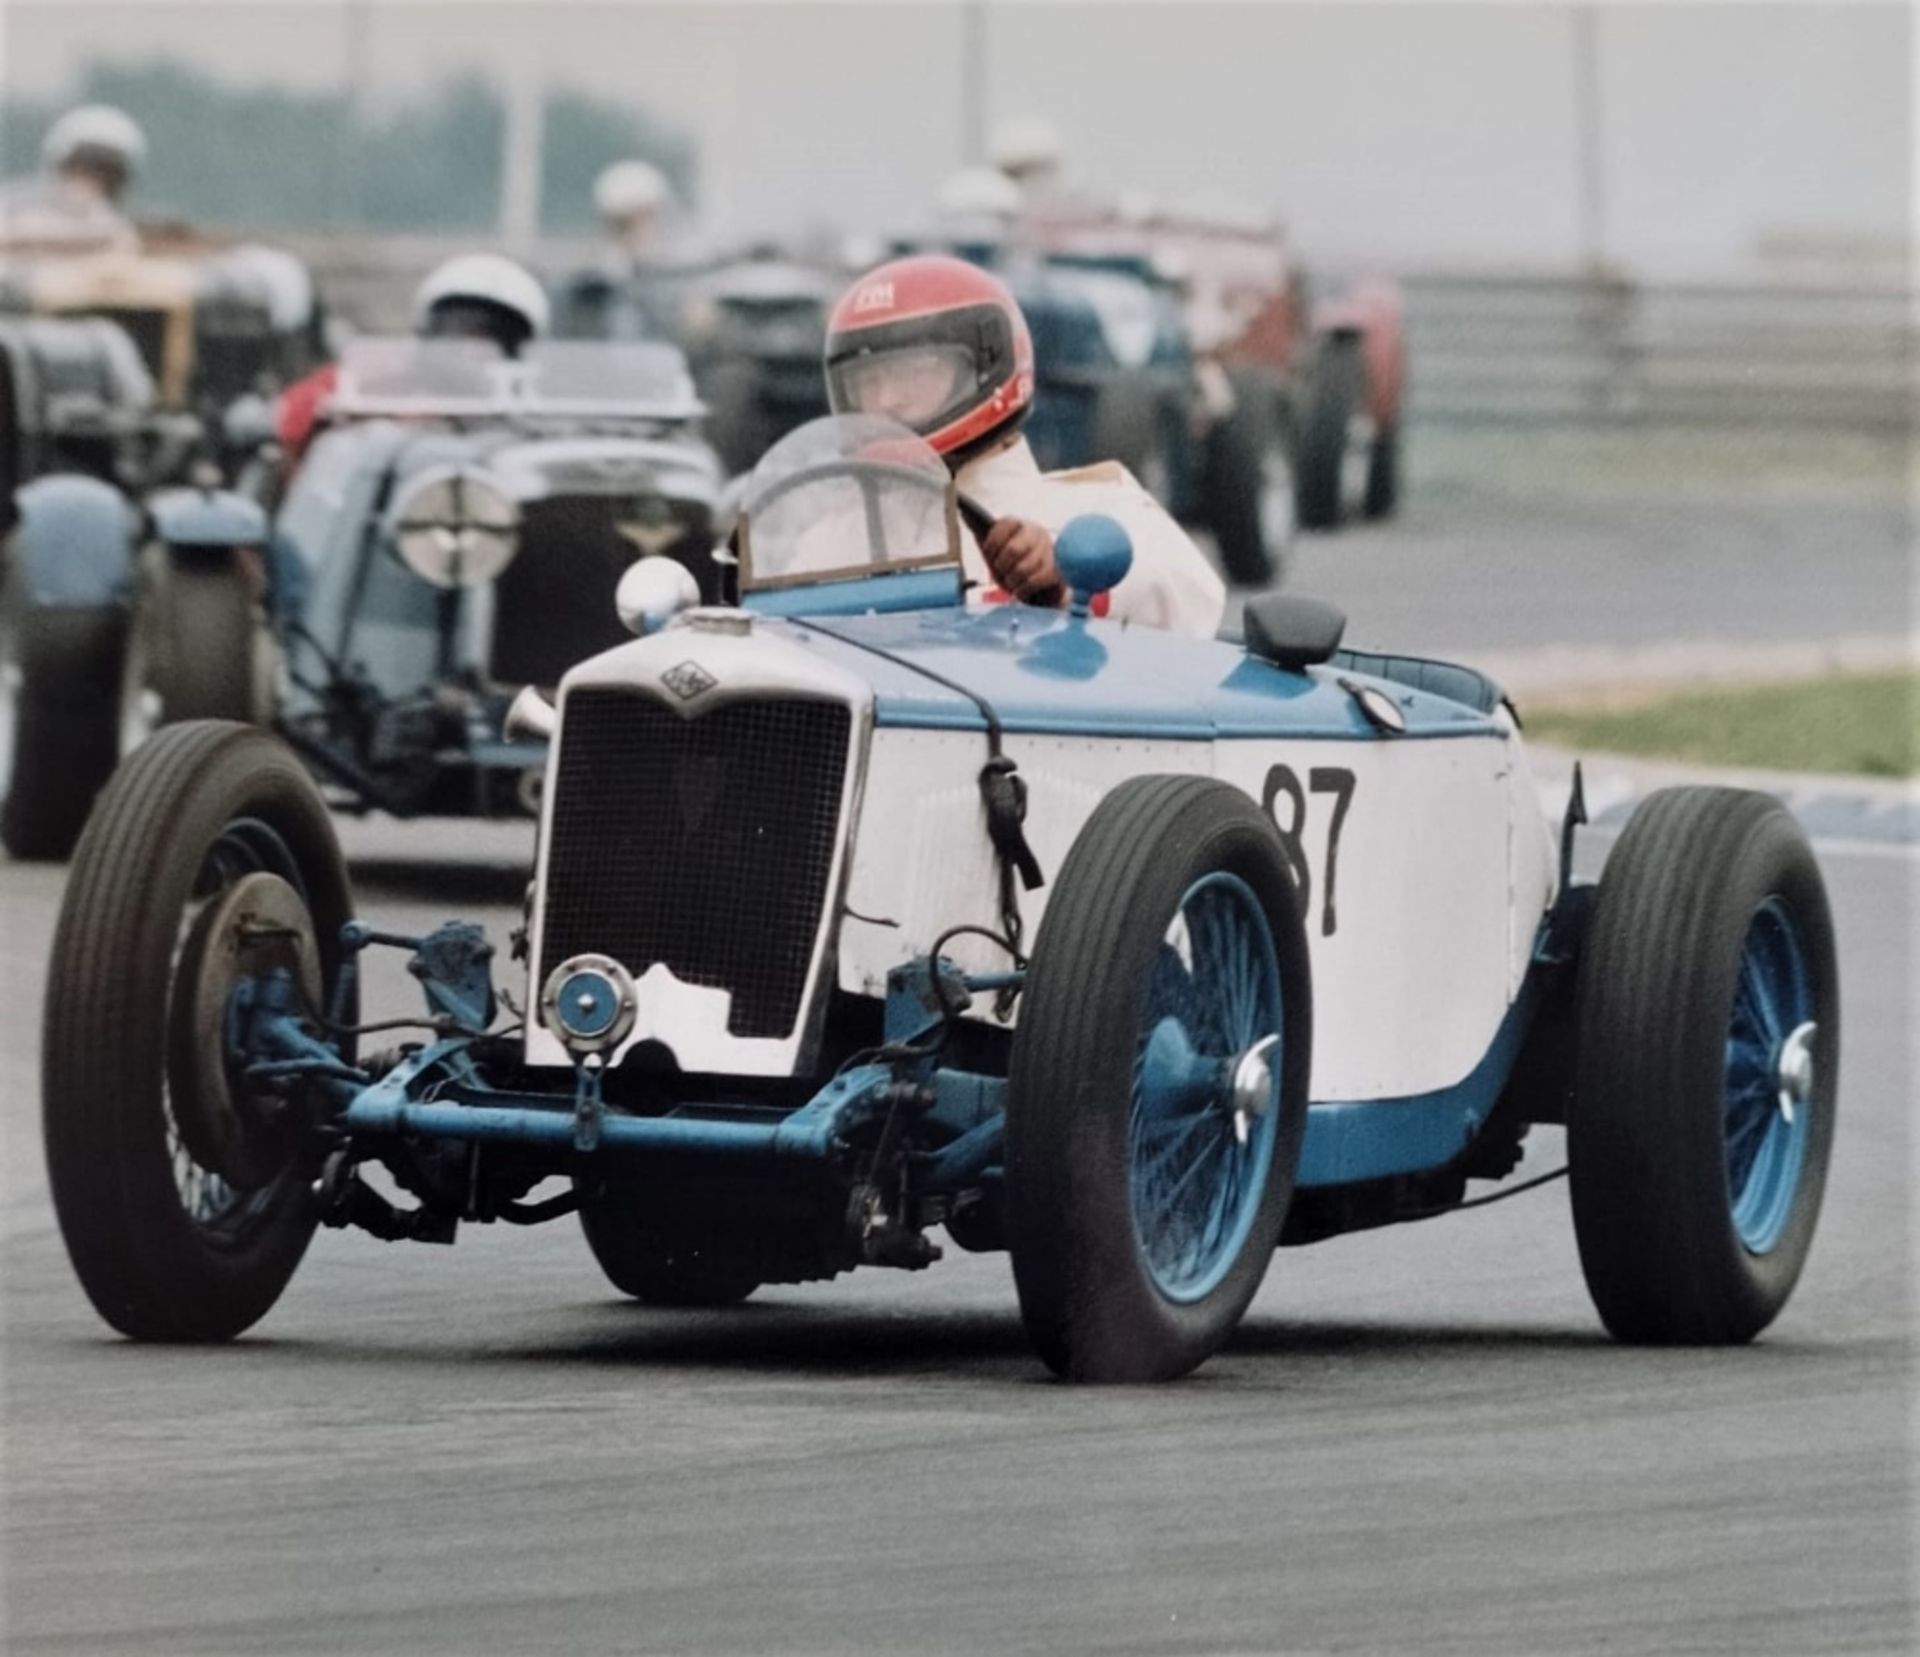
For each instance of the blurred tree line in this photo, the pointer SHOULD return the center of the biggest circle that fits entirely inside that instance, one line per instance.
(275, 159)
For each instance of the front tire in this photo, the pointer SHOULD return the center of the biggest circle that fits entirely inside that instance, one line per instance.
(58, 669)
(1334, 391)
(184, 1200)
(1251, 490)
(1706, 1072)
(1144, 1192)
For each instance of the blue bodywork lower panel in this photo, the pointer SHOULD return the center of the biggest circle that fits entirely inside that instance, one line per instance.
(1351, 1140)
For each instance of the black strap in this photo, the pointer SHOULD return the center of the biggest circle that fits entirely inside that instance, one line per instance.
(1002, 789)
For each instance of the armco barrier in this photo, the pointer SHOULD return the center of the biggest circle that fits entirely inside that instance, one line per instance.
(1613, 351)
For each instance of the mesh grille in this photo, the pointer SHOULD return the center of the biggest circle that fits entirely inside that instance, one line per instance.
(553, 605)
(704, 843)
(147, 330)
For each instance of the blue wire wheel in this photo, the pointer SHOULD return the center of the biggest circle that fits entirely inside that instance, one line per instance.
(1200, 1148)
(1156, 1102)
(1770, 1094)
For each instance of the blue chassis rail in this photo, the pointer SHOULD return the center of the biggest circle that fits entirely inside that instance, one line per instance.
(1346, 1142)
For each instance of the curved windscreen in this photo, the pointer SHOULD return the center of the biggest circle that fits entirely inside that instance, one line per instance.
(847, 496)
(382, 375)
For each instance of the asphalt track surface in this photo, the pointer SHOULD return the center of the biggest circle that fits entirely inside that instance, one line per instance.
(1419, 1442)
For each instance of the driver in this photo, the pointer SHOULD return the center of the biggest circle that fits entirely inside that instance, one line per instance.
(470, 296)
(481, 296)
(90, 156)
(940, 346)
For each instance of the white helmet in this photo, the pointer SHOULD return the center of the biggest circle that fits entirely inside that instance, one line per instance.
(1027, 144)
(629, 188)
(281, 280)
(484, 279)
(979, 193)
(95, 132)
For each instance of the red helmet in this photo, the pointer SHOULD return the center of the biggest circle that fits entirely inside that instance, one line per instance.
(938, 344)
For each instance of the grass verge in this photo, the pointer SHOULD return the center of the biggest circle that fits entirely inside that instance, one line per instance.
(1867, 723)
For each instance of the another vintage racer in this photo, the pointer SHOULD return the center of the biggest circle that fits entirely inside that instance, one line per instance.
(457, 532)
(859, 912)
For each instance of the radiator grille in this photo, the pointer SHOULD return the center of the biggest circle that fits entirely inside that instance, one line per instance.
(553, 605)
(704, 843)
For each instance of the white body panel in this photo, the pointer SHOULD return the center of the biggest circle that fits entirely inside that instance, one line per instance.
(1445, 868)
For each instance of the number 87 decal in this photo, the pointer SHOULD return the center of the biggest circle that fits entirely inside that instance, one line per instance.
(1336, 780)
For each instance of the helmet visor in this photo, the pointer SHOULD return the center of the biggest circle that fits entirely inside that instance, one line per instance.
(917, 385)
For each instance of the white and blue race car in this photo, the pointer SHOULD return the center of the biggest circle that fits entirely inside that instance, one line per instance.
(861, 913)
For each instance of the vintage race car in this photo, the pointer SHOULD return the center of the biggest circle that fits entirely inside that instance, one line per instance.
(1319, 365)
(99, 481)
(455, 532)
(859, 912)
(754, 330)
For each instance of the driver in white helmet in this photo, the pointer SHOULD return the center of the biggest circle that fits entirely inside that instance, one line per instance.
(90, 156)
(631, 198)
(470, 296)
(95, 148)
(482, 296)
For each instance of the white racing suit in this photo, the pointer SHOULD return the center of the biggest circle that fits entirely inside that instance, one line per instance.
(1171, 584)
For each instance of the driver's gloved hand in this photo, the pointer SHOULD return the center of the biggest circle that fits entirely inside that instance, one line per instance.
(1020, 554)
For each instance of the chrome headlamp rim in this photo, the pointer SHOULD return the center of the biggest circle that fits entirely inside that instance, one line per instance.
(589, 1004)
(454, 526)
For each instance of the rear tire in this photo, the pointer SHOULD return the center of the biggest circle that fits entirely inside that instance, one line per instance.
(1695, 1187)
(166, 1248)
(1130, 1266)
(198, 650)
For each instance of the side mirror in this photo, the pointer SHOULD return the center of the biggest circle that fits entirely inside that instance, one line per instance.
(652, 592)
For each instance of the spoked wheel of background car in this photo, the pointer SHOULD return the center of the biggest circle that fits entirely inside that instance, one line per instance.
(660, 1265)
(1250, 488)
(197, 649)
(1707, 1061)
(1158, 1089)
(182, 1191)
(58, 670)
(1335, 390)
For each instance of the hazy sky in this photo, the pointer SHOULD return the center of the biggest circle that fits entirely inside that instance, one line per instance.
(1433, 131)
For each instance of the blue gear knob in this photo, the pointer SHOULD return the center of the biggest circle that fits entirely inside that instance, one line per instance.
(1094, 554)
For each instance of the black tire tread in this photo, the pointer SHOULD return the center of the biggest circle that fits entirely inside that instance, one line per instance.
(1233, 458)
(1656, 1242)
(65, 728)
(103, 1039)
(1333, 390)
(1143, 825)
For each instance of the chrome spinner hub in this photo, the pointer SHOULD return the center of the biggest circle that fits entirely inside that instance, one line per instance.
(1795, 1070)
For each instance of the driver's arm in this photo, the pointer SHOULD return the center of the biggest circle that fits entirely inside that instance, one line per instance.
(1019, 552)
